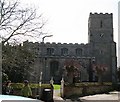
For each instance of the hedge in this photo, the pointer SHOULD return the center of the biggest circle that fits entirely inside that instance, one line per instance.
(20, 85)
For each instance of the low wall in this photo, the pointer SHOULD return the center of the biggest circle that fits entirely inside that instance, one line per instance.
(35, 92)
(34, 87)
(70, 91)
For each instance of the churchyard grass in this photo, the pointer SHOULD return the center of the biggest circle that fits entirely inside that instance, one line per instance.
(56, 87)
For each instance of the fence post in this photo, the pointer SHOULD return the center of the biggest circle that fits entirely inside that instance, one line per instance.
(52, 81)
(62, 88)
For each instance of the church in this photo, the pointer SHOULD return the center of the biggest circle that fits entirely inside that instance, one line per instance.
(100, 50)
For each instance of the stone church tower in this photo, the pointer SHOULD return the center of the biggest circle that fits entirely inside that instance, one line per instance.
(100, 37)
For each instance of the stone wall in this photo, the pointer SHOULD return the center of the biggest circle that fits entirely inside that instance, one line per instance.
(70, 91)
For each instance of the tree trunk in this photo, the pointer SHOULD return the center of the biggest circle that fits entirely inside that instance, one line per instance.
(70, 78)
(100, 79)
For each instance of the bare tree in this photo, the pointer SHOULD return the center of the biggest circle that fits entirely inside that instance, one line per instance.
(73, 69)
(17, 22)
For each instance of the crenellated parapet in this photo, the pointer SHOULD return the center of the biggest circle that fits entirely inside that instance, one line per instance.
(100, 13)
(27, 43)
(63, 44)
(59, 48)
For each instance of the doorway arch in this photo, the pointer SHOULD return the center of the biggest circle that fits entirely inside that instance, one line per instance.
(54, 71)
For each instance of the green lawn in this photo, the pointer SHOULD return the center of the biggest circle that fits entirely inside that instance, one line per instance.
(56, 87)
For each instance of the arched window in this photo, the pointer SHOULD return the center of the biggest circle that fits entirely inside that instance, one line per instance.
(79, 52)
(64, 51)
(50, 51)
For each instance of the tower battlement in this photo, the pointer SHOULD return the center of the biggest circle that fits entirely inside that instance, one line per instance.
(100, 14)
